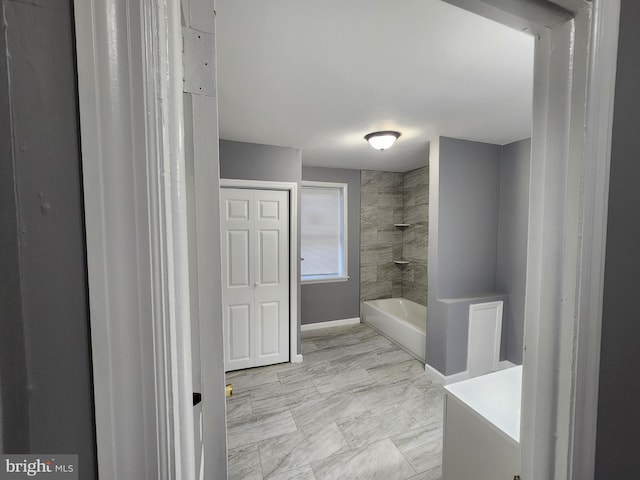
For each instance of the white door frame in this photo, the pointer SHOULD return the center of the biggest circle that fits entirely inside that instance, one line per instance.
(129, 57)
(294, 274)
(574, 79)
(130, 88)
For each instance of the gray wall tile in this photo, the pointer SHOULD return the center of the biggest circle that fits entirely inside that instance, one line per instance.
(388, 198)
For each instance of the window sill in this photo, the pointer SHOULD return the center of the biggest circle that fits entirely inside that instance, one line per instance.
(310, 280)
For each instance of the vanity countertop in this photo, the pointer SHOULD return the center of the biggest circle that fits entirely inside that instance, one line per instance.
(495, 396)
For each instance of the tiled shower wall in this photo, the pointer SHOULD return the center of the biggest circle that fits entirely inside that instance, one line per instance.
(388, 198)
(414, 237)
(381, 200)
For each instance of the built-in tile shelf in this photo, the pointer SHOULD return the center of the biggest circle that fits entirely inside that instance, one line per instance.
(401, 262)
(401, 225)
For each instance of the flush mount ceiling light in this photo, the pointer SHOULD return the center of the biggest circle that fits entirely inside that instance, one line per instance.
(382, 140)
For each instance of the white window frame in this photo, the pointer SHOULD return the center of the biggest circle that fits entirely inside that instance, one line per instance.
(343, 276)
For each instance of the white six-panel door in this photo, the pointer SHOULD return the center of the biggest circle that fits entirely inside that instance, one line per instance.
(255, 276)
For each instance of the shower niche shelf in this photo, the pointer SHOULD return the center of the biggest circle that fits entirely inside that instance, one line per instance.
(401, 225)
(401, 262)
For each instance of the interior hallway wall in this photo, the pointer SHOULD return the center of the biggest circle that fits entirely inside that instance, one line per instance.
(45, 354)
(618, 435)
(513, 225)
(252, 161)
(322, 302)
(478, 227)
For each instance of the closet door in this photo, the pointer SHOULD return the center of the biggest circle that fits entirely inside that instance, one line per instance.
(271, 298)
(255, 293)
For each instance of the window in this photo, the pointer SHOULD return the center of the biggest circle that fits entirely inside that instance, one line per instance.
(323, 232)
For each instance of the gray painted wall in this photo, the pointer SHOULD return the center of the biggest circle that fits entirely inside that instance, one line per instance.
(463, 233)
(252, 161)
(43, 287)
(478, 208)
(618, 437)
(468, 217)
(14, 413)
(323, 302)
(513, 225)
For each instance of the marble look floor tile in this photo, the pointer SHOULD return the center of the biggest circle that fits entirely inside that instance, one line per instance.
(244, 463)
(302, 473)
(394, 355)
(427, 408)
(347, 329)
(427, 382)
(366, 428)
(257, 427)
(396, 372)
(365, 332)
(327, 408)
(344, 382)
(358, 387)
(422, 447)
(309, 444)
(377, 461)
(433, 474)
(355, 361)
(305, 371)
(239, 406)
(335, 341)
(382, 397)
(316, 332)
(254, 377)
(327, 354)
(308, 346)
(274, 397)
(370, 345)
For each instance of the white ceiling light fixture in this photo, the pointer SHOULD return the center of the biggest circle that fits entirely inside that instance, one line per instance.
(382, 140)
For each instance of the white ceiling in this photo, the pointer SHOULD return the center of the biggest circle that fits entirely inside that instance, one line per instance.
(320, 74)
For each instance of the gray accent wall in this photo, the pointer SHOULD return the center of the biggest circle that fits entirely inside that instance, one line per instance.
(45, 358)
(323, 302)
(618, 429)
(468, 217)
(478, 214)
(513, 224)
(252, 161)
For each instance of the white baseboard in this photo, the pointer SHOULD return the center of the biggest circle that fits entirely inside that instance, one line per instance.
(448, 379)
(331, 323)
(297, 358)
(458, 377)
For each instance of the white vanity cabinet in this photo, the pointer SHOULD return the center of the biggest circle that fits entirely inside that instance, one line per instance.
(482, 427)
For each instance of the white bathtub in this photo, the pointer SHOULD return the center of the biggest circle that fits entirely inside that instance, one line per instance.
(401, 320)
